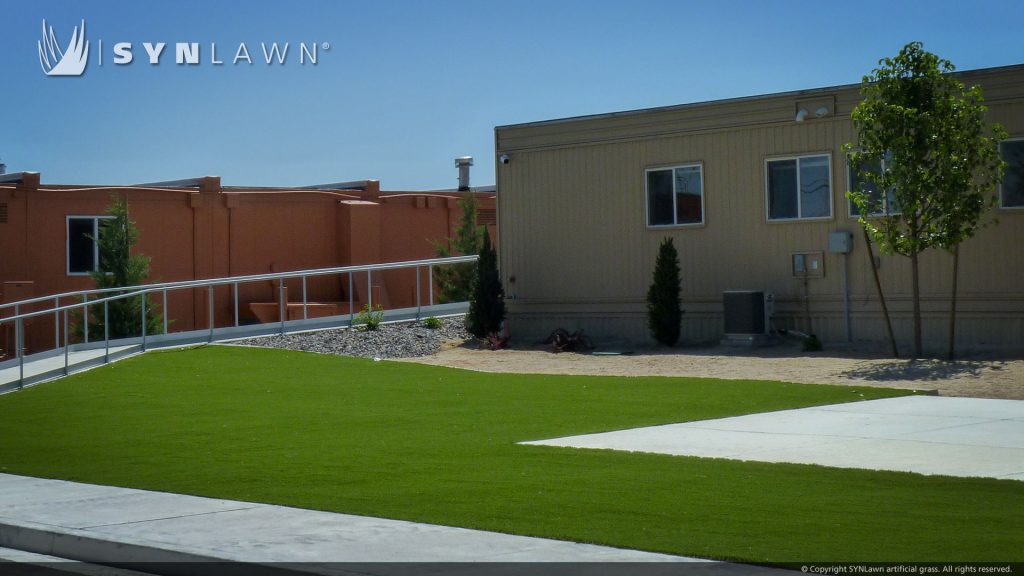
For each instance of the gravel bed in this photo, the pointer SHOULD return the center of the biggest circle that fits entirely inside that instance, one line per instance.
(398, 340)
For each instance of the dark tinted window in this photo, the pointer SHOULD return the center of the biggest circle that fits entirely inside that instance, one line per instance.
(688, 195)
(659, 197)
(782, 189)
(81, 252)
(1013, 181)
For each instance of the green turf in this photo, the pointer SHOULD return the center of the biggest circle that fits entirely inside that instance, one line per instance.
(439, 445)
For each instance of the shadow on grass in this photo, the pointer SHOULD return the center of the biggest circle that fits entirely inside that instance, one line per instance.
(922, 370)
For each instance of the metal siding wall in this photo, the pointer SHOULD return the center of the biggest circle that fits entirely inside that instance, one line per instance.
(574, 235)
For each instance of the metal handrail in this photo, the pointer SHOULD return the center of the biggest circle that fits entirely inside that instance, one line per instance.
(145, 288)
(142, 290)
(68, 307)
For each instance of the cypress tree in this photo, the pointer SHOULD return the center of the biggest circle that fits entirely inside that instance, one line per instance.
(455, 281)
(487, 303)
(118, 267)
(664, 312)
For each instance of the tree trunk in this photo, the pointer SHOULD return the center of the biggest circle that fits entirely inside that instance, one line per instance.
(916, 295)
(952, 307)
(807, 305)
(881, 296)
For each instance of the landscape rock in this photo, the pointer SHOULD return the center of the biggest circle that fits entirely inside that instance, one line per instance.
(397, 340)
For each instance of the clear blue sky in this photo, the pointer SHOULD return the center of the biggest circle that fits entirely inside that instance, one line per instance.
(407, 86)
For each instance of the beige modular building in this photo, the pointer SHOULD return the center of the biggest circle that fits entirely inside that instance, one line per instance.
(750, 189)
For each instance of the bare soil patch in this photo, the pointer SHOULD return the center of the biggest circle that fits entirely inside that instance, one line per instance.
(972, 377)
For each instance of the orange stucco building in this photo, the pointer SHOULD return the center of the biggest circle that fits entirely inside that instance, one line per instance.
(196, 229)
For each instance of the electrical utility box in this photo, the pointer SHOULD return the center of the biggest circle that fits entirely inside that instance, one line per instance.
(840, 242)
(808, 265)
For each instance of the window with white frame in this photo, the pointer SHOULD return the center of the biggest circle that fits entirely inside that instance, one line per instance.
(799, 187)
(675, 195)
(1011, 191)
(83, 252)
(887, 205)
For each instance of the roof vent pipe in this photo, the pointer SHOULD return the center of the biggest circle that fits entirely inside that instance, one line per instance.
(464, 162)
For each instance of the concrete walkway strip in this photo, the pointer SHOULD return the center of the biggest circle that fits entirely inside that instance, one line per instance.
(967, 437)
(103, 524)
(56, 566)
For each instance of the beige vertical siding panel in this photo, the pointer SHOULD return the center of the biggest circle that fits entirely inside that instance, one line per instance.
(573, 231)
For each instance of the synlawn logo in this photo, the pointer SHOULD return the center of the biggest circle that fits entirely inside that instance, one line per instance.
(72, 60)
(68, 62)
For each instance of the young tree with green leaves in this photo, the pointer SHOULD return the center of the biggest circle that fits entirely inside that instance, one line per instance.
(487, 303)
(968, 188)
(455, 280)
(923, 143)
(118, 267)
(664, 309)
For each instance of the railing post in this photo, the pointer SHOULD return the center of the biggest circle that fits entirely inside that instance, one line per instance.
(418, 292)
(369, 289)
(164, 311)
(106, 331)
(56, 323)
(305, 314)
(235, 290)
(65, 342)
(210, 312)
(85, 318)
(430, 282)
(19, 341)
(282, 306)
(351, 312)
(143, 308)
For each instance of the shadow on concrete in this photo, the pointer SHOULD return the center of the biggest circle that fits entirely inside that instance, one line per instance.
(922, 370)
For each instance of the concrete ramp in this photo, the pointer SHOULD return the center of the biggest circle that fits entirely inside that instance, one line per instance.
(18, 373)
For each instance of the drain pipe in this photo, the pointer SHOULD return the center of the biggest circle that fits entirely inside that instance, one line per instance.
(797, 333)
(841, 242)
(846, 295)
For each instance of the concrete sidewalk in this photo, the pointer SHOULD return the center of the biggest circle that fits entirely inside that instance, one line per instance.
(923, 434)
(103, 524)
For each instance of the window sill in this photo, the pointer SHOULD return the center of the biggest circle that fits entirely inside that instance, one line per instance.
(800, 220)
(878, 215)
(675, 226)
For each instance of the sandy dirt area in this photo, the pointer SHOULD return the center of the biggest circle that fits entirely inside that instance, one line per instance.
(975, 377)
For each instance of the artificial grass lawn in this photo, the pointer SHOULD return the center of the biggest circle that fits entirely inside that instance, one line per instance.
(438, 445)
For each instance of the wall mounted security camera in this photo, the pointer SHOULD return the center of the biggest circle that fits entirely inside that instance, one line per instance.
(504, 158)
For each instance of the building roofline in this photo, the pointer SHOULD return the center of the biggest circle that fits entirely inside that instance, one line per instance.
(15, 177)
(182, 183)
(349, 185)
(736, 100)
(475, 189)
(198, 182)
